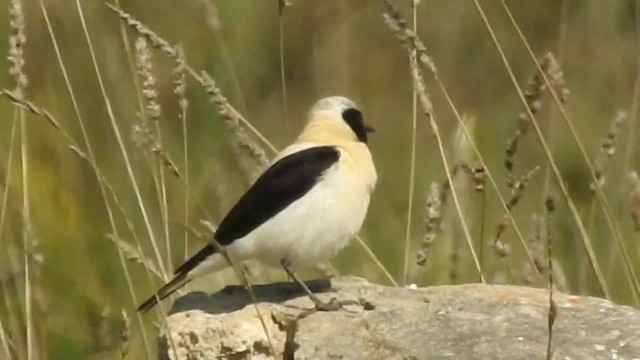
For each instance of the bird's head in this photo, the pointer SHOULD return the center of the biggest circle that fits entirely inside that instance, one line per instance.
(335, 118)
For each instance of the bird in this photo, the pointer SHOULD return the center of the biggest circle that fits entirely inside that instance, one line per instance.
(303, 209)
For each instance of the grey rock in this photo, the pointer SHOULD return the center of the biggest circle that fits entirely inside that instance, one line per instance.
(471, 321)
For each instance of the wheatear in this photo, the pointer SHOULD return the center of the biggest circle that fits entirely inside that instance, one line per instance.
(304, 208)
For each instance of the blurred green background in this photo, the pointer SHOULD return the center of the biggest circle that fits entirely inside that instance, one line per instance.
(330, 47)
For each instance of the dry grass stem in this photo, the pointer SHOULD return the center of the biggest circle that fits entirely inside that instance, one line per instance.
(517, 191)
(12, 299)
(538, 237)
(153, 38)
(17, 100)
(630, 146)
(407, 36)
(602, 283)
(74, 147)
(9, 173)
(412, 167)
(212, 16)
(152, 138)
(175, 53)
(101, 180)
(607, 149)
(551, 318)
(147, 135)
(144, 136)
(555, 71)
(4, 340)
(159, 43)
(629, 269)
(428, 112)
(17, 40)
(282, 4)
(120, 141)
(463, 151)
(134, 254)
(482, 173)
(410, 41)
(404, 34)
(537, 249)
(435, 200)
(46, 115)
(37, 261)
(533, 98)
(125, 334)
(634, 199)
(180, 90)
(242, 140)
(125, 156)
(27, 231)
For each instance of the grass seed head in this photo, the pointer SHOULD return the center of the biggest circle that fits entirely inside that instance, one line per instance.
(432, 221)
(607, 150)
(17, 40)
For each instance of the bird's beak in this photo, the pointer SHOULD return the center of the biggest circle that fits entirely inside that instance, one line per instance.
(369, 129)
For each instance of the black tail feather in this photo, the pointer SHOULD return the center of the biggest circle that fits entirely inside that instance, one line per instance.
(172, 286)
(195, 260)
(180, 278)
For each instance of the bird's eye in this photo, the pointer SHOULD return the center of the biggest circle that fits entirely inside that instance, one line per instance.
(353, 118)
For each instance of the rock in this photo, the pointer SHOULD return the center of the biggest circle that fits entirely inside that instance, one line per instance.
(470, 321)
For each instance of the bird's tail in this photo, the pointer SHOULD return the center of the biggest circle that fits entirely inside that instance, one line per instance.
(172, 286)
(183, 274)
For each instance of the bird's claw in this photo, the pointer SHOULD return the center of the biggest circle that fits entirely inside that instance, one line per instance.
(333, 305)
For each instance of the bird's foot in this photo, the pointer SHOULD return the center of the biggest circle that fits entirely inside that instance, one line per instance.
(320, 306)
(333, 304)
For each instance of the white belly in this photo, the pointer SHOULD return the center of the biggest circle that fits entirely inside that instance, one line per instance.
(313, 228)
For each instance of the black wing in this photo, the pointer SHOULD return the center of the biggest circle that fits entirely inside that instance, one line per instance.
(280, 185)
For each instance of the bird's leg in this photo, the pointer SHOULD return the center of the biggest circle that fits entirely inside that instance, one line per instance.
(333, 305)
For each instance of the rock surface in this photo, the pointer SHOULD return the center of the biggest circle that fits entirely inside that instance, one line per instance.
(442, 322)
